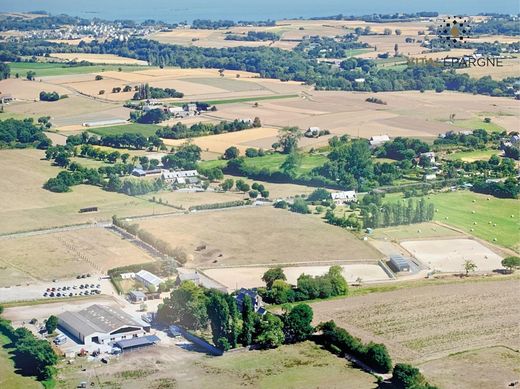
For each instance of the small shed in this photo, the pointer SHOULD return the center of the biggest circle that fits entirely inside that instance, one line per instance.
(399, 264)
(136, 296)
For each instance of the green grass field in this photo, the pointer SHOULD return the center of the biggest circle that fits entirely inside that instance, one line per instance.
(478, 123)
(44, 69)
(133, 128)
(471, 156)
(456, 209)
(302, 365)
(272, 162)
(8, 378)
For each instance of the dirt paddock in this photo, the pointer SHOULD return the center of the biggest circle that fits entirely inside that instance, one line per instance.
(449, 255)
(251, 277)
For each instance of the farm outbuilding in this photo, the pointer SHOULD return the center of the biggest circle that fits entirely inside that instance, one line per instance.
(398, 263)
(101, 324)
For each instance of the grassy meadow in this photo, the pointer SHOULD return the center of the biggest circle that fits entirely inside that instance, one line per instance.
(8, 378)
(133, 128)
(486, 217)
(44, 69)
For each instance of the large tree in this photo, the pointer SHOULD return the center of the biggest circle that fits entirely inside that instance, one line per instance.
(269, 332)
(51, 324)
(288, 138)
(186, 306)
(248, 321)
(273, 274)
(297, 323)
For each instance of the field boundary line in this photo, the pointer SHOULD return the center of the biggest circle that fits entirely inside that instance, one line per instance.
(297, 264)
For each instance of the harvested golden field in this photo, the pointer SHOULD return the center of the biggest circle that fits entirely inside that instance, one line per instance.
(259, 235)
(27, 206)
(196, 84)
(291, 33)
(494, 38)
(73, 110)
(64, 255)
(408, 113)
(510, 68)
(98, 58)
(257, 137)
(494, 367)
(432, 321)
(190, 199)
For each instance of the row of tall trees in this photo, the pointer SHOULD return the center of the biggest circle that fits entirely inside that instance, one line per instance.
(399, 213)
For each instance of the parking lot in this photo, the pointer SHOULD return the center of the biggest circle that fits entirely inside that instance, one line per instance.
(60, 289)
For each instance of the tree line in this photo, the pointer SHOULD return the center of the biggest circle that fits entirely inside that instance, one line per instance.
(272, 63)
(181, 131)
(254, 36)
(396, 214)
(146, 92)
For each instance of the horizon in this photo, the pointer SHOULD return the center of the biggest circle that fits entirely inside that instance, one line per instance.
(168, 11)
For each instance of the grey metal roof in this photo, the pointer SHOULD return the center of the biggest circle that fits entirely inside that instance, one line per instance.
(138, 342)
(98, 318)
(399, 260)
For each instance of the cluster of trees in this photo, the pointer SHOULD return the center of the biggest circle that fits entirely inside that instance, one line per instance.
(129, 140)
(152, 116)
(402, 148)
(34, 357)
(196, 308)
(5, 71)
(50, 96)
(406, 376)
(278, 291)
(23, 133)
(66, 179)
(349, 163)
(476, 140)
(181, 131)
(396, 214)
(340, 342)
(375, 100)
(145, 92)
(133, 186)
(351, 222)
(254, 36)
(510, 188)
(126, 140)
(326, 47)
(183, 157)
(498, 25)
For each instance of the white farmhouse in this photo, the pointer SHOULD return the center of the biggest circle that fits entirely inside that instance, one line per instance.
(346, 197)
(379, 140)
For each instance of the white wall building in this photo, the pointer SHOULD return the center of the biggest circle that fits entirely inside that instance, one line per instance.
(346, 197)
(147, 278)
(101, 324)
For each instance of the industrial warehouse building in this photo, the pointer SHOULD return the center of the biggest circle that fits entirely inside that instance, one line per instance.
(101, 324)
